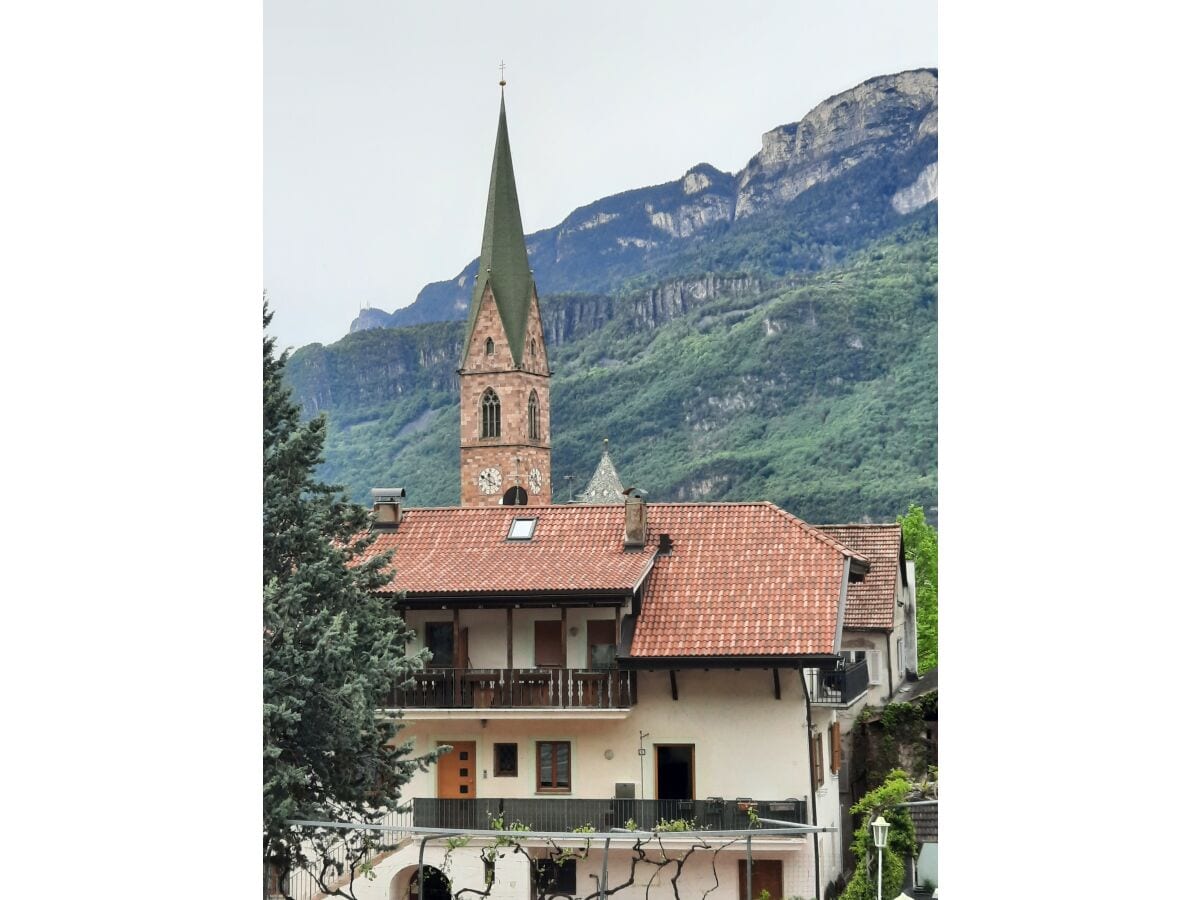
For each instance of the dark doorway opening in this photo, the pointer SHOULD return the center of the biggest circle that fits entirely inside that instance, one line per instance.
(436, 885)
(674, 768)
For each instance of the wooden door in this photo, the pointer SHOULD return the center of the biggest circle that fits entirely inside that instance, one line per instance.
(547, 644)
(767, 876)
(456, 771)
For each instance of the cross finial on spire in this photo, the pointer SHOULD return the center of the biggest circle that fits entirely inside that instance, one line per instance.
(502, 81)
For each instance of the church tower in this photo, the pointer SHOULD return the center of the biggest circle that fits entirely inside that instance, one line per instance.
(504, 376)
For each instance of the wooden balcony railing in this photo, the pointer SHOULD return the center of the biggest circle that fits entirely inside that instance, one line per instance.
(563, 814)
(515, 689)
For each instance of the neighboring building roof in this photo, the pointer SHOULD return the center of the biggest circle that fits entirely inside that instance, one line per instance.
(463, 550)
(871, 603)
(605, 486)
(503, 259)
(908, 691)
(741, 579)
(925, 823)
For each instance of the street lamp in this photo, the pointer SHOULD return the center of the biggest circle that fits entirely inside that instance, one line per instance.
(879, 829)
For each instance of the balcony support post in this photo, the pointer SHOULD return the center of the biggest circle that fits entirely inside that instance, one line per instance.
(604, 872)
(749, 867)
(510, 655)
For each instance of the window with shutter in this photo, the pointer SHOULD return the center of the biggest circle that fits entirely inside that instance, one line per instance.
(818, 761)
(835, 748)
(874, 666)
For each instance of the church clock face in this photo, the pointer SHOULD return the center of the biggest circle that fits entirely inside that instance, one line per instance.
(535, 481)
(489, 480)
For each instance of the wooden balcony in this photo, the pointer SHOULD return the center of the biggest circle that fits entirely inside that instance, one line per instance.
(516, 689)
(563, 814)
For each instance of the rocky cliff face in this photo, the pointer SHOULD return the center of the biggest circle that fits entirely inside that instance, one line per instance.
(886, 115)
(876, 141)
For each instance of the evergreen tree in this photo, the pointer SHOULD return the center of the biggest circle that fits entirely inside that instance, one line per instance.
(921, 546)
(332, 646)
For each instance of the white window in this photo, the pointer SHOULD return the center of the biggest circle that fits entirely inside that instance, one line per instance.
(874, 666)
(521, 529)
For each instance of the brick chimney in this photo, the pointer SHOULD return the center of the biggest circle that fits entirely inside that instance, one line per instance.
(635, 519)
(388, 504)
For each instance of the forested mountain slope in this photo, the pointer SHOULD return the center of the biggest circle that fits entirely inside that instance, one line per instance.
(814, 390)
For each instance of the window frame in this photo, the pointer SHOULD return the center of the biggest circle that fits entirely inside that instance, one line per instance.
(516, 761)
(817, 759)
(489, 414)
(534, 407)
(448, 625)
(553, 789)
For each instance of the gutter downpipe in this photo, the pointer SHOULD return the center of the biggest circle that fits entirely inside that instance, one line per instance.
(812, 784)
(888, 643)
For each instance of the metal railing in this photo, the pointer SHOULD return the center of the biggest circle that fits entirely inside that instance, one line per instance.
(302, 881)
(562, 814)
(514, 689)
(840, 686)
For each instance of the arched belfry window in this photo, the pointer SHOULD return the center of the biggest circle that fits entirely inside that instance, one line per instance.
(490, 420)
(491, 347)
(535, 431)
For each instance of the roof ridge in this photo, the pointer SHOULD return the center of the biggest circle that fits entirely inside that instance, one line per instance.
(820, 535)
(860, 525)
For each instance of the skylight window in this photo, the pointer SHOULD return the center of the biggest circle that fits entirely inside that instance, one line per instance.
(521, 529)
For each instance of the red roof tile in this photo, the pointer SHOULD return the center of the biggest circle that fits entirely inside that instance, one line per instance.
(742, 579)
(871, 603)
(466, 550)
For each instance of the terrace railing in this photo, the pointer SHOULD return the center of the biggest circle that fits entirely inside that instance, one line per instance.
(840, 686)
(564, 814)
(515, 689)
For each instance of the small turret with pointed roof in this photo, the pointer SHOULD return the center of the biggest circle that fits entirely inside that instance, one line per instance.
(605, 486)
(504, 377)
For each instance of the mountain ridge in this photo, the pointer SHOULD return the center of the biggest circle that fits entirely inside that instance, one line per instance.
(646, 231)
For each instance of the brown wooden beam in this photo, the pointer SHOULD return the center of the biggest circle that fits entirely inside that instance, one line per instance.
(455, 652)
(562, 635)
(509, 617)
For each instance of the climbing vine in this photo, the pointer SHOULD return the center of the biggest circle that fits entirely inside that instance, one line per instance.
(894, 737)
(902, 842)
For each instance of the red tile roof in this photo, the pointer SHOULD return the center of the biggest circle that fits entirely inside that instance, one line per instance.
(871, 603)
(742, 579)
(467, 551)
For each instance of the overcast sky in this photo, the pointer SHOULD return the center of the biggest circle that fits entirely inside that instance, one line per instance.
(380, 118)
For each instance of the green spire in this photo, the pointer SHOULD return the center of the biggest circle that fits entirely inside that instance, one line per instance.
(503, 261)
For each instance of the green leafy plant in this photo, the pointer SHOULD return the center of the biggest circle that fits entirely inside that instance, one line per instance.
(882, 801)
(675, 825)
